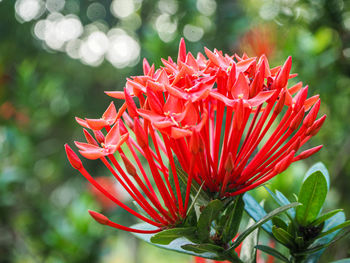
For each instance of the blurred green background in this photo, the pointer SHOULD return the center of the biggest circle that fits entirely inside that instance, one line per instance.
(58, 56)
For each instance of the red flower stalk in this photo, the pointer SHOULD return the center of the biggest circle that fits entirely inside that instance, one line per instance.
(230, 123)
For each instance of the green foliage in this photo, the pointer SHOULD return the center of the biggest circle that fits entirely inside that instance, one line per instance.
(210, 213)
(312, 196)
(166, 236)
(307, 234)
(232, 221)
(273, 252)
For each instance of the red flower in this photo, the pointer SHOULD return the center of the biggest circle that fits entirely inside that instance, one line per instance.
(231, 124)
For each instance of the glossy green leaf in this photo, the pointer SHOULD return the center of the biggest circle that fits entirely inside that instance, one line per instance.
(248, 249)
(235, 212)
(175, 245)
(299, 241)
(195, 198)
(256, 211)
(202, 248)
(262, 221)
(273, 252)
(281, 200)
(326, 216)
(166, 236)
(279, 222)
(312, 196)
(345, 224)
(321, 168)
(208, 215)
(283, 236)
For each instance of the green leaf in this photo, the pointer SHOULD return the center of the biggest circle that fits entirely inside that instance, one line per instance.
(208, 215)
(329, 224)
(248, 249)
(263, 220)
(324, 217)
(281, 200)
(283, 237)
(175, 245)
(195, 198)
(234, 219)
(345, 224)
(312, 196)
(182, 183)
(166, 236)
(273, 252)
(321, 168)
(256, 211)
(279, 222)
(299, 241)
(202, 248)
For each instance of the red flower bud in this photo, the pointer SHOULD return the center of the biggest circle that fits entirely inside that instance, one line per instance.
(103, 220)
(312, 115)
(283, 75)
(229, 164)
(309, 152)
(130, 168)
(298, 118)
(140, 134)
(314, 129)
(89, 138)
(99, 136)
(284, 163)
(73, 158)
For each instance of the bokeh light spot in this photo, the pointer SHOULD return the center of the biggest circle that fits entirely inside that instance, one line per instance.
(193, 33)
(206, 7)
(27, 10)
(122, 8)
(96, 11)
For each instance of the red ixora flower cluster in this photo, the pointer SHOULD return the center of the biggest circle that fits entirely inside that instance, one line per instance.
(231, 123)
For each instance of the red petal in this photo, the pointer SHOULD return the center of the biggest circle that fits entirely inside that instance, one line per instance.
(163, 124)
(294, 89)
(178, 133)
(241, 87)
(110, 114)
(82, 122)
(173, 105)
(223, 98)
(113, 136)
(243, 65)
(163, 78)
(87, 147)
(96, 124)
(260, 98)
(151, 116)
(182, 51)
(154, 102)
(146, 66)
(116, 94)
(311, 101)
